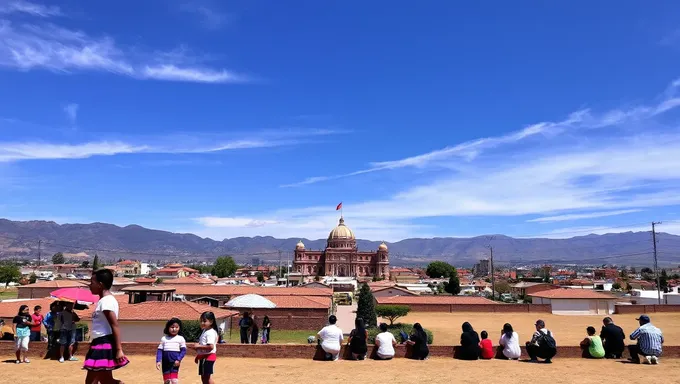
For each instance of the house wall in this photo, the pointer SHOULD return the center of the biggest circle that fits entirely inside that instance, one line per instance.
(145, 331)
(390, 293)
(638, 309)
(493, 308)
(580, 306)
(288, 318)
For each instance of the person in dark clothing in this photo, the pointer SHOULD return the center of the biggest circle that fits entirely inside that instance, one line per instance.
(613, 338)
(469, 343)
(244, 326)
(542, 344)
(357, 340)
(418, 340)
(266, 328)
(254, 331)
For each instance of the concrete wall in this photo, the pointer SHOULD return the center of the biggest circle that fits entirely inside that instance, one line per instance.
(502, 308)
(581, 306)
(638, 309)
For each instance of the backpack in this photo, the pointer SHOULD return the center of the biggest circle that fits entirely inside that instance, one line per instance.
(547, 341)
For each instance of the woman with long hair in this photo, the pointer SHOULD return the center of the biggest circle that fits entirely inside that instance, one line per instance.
(357, 340)
(510, 343)
(418, 340)
(469, 343)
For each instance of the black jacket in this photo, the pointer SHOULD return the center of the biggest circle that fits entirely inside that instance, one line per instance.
(613, 337)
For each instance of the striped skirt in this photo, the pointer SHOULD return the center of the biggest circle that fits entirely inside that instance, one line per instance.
(102, 356)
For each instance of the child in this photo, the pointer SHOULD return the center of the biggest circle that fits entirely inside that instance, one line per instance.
(592, 345)
(37, 318)
(207, 347)
(171, 351)
(106, 352)
(486, 347)
(22, 332)
(67, 338)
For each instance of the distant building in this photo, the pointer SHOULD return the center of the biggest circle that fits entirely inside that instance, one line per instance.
(566, 301)
(483, 268)
(129, 267)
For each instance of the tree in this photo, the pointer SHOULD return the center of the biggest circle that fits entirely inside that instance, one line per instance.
(85, 264)
(392, 312)
(260, 277)
(366, 306)
(32, 279)
(438, 269)
(9, 273)
(502, 286)
(225, 266)
(58, 258)
(453, 285)
(158, 281)
(616, 286)
(95, 262)
(663, 281)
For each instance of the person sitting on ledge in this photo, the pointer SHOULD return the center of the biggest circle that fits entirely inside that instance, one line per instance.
(510, 343)
(649, 342)
(418, 340)
(613, 338)
(486, 347)
(357, 340)
(331, 339)
(469, 343)
(385, 342)
(542, 344)
(592, 345)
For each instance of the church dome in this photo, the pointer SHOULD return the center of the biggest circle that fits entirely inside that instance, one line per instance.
(382, 246)
(341, 232)
(300, 245)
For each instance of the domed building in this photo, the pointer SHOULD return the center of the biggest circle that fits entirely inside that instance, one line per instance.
(341, 257)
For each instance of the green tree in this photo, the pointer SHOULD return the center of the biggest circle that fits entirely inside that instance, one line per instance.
(85, 264)
(366, 306)
(58, 258)
(438, 269)
(260, 277)
(158, 281)
(453, 285)
(32, 279)
(502, 286)
(9, 273)
(225, 266)
(616, 286)
(95, 262)
(392, 312)
(663, 280)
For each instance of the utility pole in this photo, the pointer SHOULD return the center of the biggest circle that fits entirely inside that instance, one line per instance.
(656, 262)
(493, 279)
(288, 268)
(278, 273)
(39, 252)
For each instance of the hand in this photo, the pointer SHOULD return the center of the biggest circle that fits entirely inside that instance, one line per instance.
(177, 363)
(158, 365)
(120, 356)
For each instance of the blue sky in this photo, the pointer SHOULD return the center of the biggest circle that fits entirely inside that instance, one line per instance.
(255, 117)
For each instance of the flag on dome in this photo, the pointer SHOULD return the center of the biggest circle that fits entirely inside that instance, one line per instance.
(339, 207)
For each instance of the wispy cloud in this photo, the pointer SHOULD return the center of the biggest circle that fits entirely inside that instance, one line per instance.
(32, 9)
(49, 47)
(581, 216)
(580, 120)
(71, 111)
(207, 14)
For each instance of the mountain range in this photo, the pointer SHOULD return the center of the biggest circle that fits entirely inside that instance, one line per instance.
(20, 239)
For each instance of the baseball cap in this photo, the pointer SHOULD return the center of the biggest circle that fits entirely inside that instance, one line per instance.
(643, 318)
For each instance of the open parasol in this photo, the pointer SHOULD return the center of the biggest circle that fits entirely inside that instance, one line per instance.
(75, 295)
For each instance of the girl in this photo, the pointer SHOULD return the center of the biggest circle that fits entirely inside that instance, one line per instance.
(106, 352)
(510, 342)
(22, 323)
(171, 351)
(266, 328)
(357, 340)
(206, 348)
(418, 340)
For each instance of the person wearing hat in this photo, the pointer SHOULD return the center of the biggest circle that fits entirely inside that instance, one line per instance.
(542, 344)
(649, 342)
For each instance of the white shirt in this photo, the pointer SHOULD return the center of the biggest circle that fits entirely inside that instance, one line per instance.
(209, 336)
(172, 344)
(101, 326)
(510, 345)
(331, 337)
(386, 348)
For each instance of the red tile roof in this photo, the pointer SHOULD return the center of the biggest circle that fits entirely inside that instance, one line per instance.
(56, 284)
(235, 290)
(9, 309)
(191, 279)
(568, 293)
(434, 300)
(128, 262)
(163, 310)
(145, 280)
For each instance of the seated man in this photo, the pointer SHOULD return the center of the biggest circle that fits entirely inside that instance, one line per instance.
(613, 338)
(649, 342)
(542, 344)
(385, 342)
(592, 345)
(331, 339)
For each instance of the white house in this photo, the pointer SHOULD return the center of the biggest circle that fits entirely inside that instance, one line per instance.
(565, 301)
(652, 297)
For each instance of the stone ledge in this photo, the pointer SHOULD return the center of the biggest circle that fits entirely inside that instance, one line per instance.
(294, 351)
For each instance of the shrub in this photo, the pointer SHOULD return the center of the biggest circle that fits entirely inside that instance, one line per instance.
(392, 312)
(394, 329)
(191, 330)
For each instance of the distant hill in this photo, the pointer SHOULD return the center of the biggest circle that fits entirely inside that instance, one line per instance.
(20, 239)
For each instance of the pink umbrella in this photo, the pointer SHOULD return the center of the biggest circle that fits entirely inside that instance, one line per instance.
(78, 295)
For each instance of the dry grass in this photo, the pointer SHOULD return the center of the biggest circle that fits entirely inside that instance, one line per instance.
(8, 293)
(142, 370)
(569, 330)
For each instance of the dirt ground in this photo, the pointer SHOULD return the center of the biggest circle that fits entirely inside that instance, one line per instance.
(569, 330)
(439, 370)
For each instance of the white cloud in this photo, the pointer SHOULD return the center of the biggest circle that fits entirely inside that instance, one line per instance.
(30, 47)
(71, 111)
(234, 222)
(29, 8)
(581, 216)
(470, 150)
(210, 17)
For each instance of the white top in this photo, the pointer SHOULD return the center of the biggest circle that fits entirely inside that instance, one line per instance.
(510, 345)
(386, 348)
(172, 344)
(101, 326)
(209, 336)
(331, 337)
